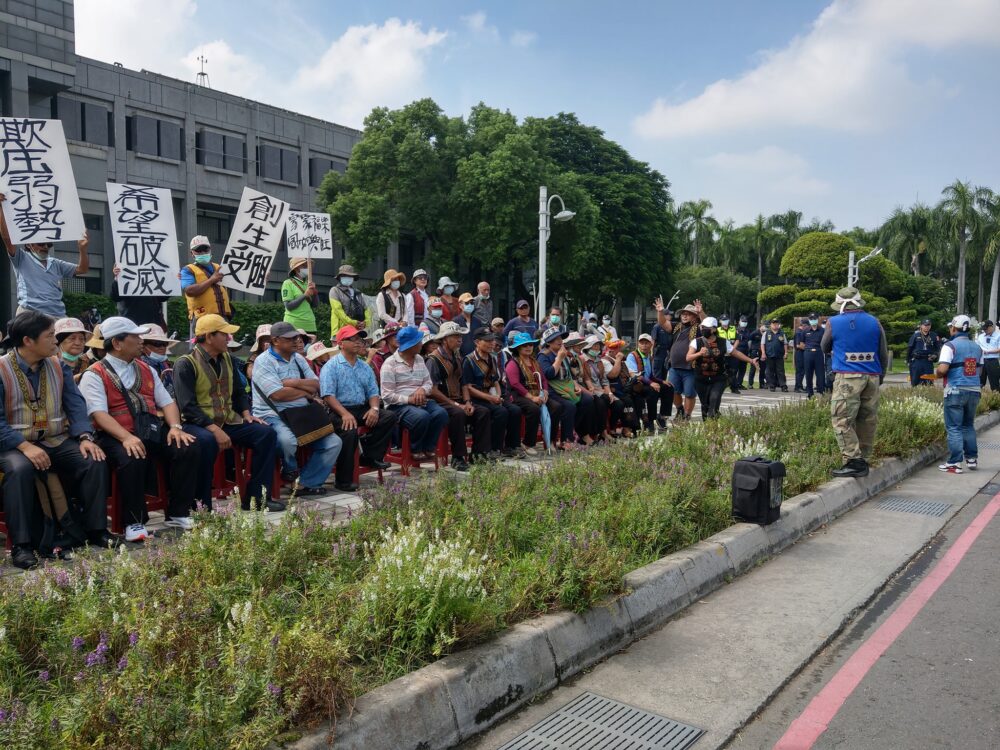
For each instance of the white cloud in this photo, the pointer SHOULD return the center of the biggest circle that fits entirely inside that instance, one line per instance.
(523, 38)
(146, 34)
(368, 66)
(847, 73)
(769, 169)
(476, 23)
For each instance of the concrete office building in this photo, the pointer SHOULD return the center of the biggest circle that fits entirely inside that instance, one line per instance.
(139, 127)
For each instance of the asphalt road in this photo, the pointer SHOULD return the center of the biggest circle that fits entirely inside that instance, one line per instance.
(936, 686)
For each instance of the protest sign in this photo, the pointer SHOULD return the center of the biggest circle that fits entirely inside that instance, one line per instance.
(308, 235)
(257, 229)
(37, 179)
(142, 224)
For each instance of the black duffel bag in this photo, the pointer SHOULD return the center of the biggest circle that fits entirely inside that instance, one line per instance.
(758, 489)
(308, 423)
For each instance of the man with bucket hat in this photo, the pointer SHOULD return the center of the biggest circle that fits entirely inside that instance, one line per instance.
(451, 391)
(680, 376)
(860, 353)
(299, 295)
(347, 304)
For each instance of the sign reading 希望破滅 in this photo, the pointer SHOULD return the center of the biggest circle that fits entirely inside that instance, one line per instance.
(142, 224)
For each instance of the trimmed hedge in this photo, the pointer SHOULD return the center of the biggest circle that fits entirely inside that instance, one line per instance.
(776, 296)
(247, 315)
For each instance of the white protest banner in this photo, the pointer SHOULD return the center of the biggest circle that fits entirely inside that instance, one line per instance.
(257, 229)
(37, 179)
(308, 235)
(142, 223)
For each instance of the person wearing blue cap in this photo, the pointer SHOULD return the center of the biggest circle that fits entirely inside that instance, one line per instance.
(529, 388)
(406, 389)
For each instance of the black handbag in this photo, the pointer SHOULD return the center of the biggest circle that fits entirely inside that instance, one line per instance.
(146, 426)
(758, 489)
(308, 423)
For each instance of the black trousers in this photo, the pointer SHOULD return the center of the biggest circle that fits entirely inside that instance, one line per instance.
(815, 370)
(646, 404)
(775, 367)
(374, 443)
(532, 414)
(991, 372)
(732, 370)
(505, 424)
(800, 368)
(920, 367)
(739, 372)
(710, 392)
(182, 476)
(586, 416)
(261, 439)
(83, 478)
(602, 404)
(480, 423)
(753, 372)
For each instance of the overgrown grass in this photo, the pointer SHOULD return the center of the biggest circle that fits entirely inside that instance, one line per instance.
(233, 635)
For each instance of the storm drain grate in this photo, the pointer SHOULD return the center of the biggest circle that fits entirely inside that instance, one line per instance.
(592, 722)
(988, 446)
(914, 505)
(990, 489)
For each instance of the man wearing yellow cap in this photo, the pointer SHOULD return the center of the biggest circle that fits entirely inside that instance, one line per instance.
(217, 412)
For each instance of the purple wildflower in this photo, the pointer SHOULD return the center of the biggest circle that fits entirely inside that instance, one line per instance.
(133, 638)
(54, 724)
(3, 716)
(78, 643)
(273, 689)
(211, 663)
(44, 675)
(79, 676)
(170, 655)
(122, 663)
(274, 641)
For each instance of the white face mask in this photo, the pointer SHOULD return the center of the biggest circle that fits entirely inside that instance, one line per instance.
(437, 313)
(743, 324)
(346, 280)
(394, 284)
(302, 273)
(606, 321)
(485, 296)
(157, 357)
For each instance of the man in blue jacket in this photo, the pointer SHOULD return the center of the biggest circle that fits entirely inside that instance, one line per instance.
(959, 364)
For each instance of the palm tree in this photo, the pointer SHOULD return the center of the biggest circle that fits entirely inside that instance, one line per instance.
(907, 235)
(990, 239)
(761, 238)
(963, 221)
(697, 224)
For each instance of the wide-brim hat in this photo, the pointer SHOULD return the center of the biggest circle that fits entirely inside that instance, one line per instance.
(847, 296)
(689, 309)
(409, 337)
(392, 275)
(310, 337)
(420, 272)
(70, 325)
(574, 339)
(593, 339)
(551, 335)
(158, 334)
(318, 349)
(96, 340)
(381, 334)
(520, 339)
(450, 328)
(295, 263)
(445, 281)
(347, 270)
(262, 330)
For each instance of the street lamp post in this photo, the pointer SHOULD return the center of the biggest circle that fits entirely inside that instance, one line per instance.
(544, 229)
(852, 265)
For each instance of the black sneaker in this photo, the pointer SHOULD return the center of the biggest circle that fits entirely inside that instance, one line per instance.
(855, 467)
(104, 540)
(346, 486)
(373, 464)
(797, 390)
(784, 389)
(308, 492)
(508, 453)
(23, 558)
(459, 464)
(771, 390)
(289, 477)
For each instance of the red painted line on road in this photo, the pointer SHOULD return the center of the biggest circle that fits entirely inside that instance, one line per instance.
(814, 720)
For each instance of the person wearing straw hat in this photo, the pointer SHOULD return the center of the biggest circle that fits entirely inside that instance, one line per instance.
(217, 412)
(554, 363)
(262, 339)
(446, 289)
(156, 346)
(860, 353)
(451, 391)
(419, 298)
(119, 390)
(95, 345)
(299, 296)
(680, 375)
(71, 337)
(347, 304)
(384, 341)
(318, 354)
(390, 304)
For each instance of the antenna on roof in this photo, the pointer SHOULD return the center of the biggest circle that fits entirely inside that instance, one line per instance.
(202, 78)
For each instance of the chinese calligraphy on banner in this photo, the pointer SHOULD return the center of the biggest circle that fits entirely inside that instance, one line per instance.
(257, 230)
(142, 223)
(308, 235)
(37, 179)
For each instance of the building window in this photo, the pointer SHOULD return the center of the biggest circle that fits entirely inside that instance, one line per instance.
(235, 149)
(216, 225)
(220, 151)
(320, 165)
(147, 135)
(85, 121)
(70, 113)
(275, 163)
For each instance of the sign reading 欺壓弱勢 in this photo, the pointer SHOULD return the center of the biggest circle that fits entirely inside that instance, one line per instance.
(257, 229)
(308, 235)
(142, 224)
(36, 178)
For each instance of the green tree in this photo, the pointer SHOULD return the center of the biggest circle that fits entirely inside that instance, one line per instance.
(787, 228)
(962, 220)
(819, 257)
(907, 235)
(990, 239)
(761, 239)
(698, 225)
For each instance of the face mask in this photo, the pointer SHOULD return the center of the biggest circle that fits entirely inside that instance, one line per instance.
(554, 319)
(707, 331)
(449, 290)
(607, 321)
(593, 354)
(394, 285)
(468, 308)
(437, 313)
(346, 280)
(485, 296)
(724, 323)
(743, 324)
(70, 357)
(157, 357)
(203, 259)
(813, 322)
(302, 274)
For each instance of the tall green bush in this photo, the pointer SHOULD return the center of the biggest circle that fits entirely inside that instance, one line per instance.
(247, 315)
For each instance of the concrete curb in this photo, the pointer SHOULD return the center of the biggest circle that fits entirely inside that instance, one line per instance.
(463, 694)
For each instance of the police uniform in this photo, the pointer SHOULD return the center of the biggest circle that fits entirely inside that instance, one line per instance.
(991, 358)
(813, 361)
(773, 344)
(921, 351)
(754, 346)
(798, 358)
(745, 345)
(729, 334)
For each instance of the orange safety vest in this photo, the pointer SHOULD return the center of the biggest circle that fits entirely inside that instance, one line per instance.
(215, 299)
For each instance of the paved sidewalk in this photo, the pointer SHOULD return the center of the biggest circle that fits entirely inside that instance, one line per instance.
(719, 662)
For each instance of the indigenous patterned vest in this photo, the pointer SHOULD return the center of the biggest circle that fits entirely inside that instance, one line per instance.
(529, 376)
(215, 299)
(712, 363)
(214, 393)
(38, 416)
(141, 393)
(453, 374)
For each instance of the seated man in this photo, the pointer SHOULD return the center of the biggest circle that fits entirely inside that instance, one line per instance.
(282, 379)
(451, 391)
(484, 383)
(216, 410)
(406, 387)
(119, 389)
(43, 426)
(347, 384)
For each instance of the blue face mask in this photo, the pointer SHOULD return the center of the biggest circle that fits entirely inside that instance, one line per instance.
(554, 319)
(157, 357)
(394, 285)
(449, 290)
(203, 259)
(437, 313)
(468, 308)
(346, 280)
(813, 322)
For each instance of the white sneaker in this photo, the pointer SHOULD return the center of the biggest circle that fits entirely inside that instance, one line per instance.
(185, 523)
(951, 468)
(135, 533)
(530, 451)
(971, 464)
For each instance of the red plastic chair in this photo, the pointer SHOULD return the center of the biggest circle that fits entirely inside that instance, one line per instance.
(153, 502)
(404, 458)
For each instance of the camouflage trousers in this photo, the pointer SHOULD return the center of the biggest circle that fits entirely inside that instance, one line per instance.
(854, 412)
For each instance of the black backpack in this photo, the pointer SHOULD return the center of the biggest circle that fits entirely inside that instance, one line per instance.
(758, 487)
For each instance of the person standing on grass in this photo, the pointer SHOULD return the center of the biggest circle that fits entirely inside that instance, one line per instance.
(989, 341)
(857, 343)
(773, 350)
(959, 364)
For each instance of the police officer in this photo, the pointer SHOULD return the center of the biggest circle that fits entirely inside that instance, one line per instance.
(921, 351)
(813, 361)
(799, 357)
(773, 350)
(745, 345)
(860, 354)
(727, 332)
(989, 341)
(755, 336)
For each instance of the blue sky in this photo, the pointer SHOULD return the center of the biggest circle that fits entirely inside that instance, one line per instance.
(840, 109)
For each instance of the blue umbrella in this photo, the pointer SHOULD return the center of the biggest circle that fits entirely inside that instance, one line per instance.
(546, 418)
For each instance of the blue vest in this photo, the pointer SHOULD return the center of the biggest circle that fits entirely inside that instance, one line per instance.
(965, 350)
(856, 339)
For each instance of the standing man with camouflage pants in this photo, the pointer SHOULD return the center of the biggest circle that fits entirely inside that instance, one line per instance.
(860, 352)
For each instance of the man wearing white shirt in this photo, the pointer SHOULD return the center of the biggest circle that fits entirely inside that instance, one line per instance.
(121, 391)
(989, 341)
